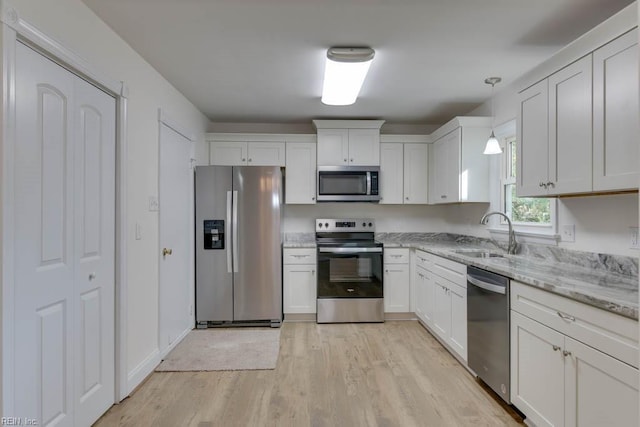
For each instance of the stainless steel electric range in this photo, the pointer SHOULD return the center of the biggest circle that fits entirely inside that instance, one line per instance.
(350, 278)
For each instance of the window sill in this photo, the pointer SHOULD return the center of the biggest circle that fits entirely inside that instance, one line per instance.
(526, 236)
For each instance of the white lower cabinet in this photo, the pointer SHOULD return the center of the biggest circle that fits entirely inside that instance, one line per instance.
(559, 381)
(299, 281)
(396, 280)
(439, 302)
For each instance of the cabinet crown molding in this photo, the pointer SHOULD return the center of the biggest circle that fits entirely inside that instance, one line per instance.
(460, 121)
(348, 124)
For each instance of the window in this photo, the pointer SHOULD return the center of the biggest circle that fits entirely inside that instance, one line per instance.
(524, 211)
(521, 210)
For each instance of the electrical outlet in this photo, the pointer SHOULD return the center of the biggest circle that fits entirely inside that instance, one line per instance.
(153, 204)
(633, 234)
(569, 233)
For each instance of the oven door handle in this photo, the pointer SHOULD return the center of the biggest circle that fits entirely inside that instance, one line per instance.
(487, 286)
(349, 250)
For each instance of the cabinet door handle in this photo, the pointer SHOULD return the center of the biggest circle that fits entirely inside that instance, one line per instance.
(556, 347)
(566, 353)
(566, 317)
(444, 196)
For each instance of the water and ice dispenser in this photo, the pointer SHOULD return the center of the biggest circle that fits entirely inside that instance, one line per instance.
(213, 234)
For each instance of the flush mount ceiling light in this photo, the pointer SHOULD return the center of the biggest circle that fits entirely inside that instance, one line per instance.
(493, 146)
(344, 73)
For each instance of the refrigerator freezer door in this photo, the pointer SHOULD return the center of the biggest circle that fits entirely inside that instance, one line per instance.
(258, 281)
(214, 276)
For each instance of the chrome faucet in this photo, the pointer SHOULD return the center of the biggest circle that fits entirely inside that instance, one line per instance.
(513, 245)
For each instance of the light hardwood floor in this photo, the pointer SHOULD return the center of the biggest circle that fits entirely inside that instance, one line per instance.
(390, 374)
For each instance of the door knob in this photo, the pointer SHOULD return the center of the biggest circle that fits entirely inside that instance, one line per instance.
(166, 252)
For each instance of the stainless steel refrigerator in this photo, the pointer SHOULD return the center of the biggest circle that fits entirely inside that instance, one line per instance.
(238, 245)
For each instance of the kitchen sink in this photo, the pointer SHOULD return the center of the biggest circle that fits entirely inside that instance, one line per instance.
(478, 253)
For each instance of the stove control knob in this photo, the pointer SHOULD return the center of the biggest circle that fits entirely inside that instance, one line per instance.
(320, 224)
(370, 225)
(326, 224)
(364, 224)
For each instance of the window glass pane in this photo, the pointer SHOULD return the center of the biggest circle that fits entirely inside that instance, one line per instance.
(527, 209)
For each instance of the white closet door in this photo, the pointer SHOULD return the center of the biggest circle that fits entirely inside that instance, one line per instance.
(64, 232)
(94, 228)
(176, 231)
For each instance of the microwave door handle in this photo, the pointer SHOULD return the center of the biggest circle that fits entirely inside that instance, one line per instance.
(368, 183)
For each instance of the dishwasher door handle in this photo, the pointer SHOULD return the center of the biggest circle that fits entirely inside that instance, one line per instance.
(487, 286)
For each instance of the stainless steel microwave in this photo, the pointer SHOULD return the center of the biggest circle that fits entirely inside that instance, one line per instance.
(348, 184)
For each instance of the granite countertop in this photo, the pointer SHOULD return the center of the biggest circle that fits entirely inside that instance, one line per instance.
(605, 281)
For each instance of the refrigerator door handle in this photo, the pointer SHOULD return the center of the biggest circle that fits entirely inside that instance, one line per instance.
(235, 231)
(226, 233)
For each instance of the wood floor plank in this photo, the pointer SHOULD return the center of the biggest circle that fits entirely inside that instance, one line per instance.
(390, 374)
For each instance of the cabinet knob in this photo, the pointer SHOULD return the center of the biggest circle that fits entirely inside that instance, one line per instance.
(244, 160)
(249, 159)
(550, 184)
(351, 160)
(92, 276)
(406, 198)
(345, 160)
(313, 272)
(166, 251)
(444, 196)
(313, 198)
(556, 347)
(386, 271)
(566, 353)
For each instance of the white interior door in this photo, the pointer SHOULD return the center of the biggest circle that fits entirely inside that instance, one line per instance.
(94, 229)
(64, 188)
(176, 236)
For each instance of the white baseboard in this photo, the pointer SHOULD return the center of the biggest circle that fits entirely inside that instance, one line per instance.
(175, 342)
(138, 374)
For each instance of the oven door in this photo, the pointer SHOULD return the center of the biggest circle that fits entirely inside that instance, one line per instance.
(347, 272)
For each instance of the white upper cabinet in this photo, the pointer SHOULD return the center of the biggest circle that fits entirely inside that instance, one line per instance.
(333, 147)
(228, 153)
(416, 177)
(578, 127)
(615, 114)
(391, 173)
(404, 169)
(246, 153)
(570, 140)
(533, 140)
(458, 171)
(348, 142)
(300, 173)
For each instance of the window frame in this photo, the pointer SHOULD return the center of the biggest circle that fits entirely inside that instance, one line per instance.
(528, 232)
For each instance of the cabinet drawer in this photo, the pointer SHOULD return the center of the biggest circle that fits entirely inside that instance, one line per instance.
(299, 256)
(608, 332)
(396, 256)
(423, 259)
(450, 270)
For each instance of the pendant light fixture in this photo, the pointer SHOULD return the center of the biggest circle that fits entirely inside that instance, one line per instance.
(493, 146)
(344, 73)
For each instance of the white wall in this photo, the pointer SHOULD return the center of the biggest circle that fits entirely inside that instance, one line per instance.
(79, 29)
(389, 218)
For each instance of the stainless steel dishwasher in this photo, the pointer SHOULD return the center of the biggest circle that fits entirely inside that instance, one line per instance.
(488, 329)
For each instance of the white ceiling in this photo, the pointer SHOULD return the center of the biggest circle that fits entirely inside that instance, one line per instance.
(262, 60)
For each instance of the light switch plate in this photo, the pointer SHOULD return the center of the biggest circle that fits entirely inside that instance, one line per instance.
(569, 233)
